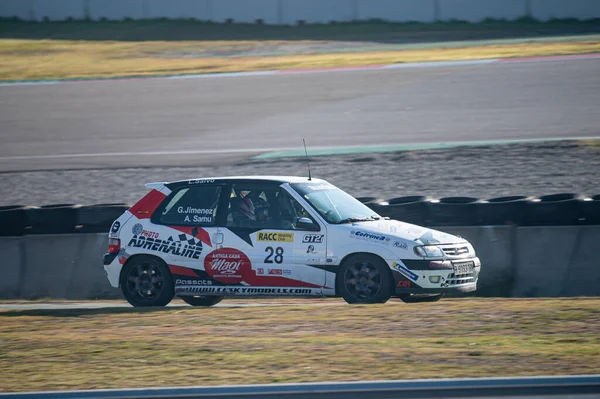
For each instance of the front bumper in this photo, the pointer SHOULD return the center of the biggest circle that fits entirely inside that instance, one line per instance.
(417, 290)
(416, 277)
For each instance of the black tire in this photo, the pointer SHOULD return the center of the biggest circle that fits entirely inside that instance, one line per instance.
(146, 281)
(365, 279)
(204, 300)
(420, 298)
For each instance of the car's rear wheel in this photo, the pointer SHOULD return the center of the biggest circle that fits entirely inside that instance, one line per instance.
(203, 300)
(420, 298)
(364, 279)
(147, 281)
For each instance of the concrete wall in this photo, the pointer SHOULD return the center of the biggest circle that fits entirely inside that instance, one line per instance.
(65, 266)
(311, 11)
(516, 262)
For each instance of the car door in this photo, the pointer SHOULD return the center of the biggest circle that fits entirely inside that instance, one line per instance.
(262, 224)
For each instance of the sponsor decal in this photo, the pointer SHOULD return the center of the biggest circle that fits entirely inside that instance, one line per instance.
(403, 284)
(115, 227)
(313, 238)
(286, 271)
(260, 270)
(247, 290)
(201, 181)
(138, 230)
(274, 237)
(363, 235)
(277, 272)
(180, 246)
(406, 272)
(400, 244)
(192, 282)
(311, 249)
(227, 265)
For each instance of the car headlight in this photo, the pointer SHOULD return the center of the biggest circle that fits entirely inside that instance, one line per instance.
(429, 251)
(471, 250)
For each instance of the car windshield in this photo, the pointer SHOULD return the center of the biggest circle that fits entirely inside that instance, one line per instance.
(335, 205)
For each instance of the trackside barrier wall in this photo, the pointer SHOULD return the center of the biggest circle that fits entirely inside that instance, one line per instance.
(11, 266)
(67, 266)
(517, 262)
(495, 246)
(292, 11)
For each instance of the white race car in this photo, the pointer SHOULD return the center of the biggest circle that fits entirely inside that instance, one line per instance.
(206, 239)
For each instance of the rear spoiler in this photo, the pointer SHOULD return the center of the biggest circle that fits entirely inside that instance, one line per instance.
(156, 186)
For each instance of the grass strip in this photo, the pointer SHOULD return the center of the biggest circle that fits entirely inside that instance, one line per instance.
(329, 341)
(48, 59)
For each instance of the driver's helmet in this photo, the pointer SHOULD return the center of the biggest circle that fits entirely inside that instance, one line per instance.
(254, 208)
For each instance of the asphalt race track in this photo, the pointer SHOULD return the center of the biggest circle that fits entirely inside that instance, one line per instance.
(217, 121)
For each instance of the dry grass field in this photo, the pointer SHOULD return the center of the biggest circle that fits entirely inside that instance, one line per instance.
(307, 340)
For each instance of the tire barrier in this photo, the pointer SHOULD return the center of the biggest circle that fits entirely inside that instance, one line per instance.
(453, 211)
(409, 209)
(370, 200)
(554, 210)
(98, 218)
(13, 220)
(504, 210)
(52, 219)
(564, 209)
(590, 210)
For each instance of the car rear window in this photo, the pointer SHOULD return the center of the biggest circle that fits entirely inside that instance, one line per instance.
(192, 206)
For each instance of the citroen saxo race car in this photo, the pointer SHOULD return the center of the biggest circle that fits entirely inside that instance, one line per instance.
(206, 239)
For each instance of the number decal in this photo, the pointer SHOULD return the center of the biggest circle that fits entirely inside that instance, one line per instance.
(278, 255)
(268, 258)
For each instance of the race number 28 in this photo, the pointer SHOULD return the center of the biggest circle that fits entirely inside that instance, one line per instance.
(278, 252)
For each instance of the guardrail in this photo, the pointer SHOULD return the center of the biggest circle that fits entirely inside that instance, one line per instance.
(447, 388)
(565, 209)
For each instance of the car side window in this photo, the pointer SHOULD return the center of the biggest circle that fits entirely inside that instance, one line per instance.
(263, 207)
(192, 206)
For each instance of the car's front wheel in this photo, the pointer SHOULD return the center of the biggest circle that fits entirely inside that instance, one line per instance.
(365, 279)
(146, 281)
(201, 300)
(420, 298)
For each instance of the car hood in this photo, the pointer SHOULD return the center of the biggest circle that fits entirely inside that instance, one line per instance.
(406, 231)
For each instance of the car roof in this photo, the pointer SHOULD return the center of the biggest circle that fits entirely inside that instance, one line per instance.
(232, 179)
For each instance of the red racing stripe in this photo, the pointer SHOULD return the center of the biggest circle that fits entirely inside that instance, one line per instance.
(144, 208)
(275, 281)
(183, 271)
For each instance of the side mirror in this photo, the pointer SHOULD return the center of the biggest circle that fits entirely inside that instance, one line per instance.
(307, 224)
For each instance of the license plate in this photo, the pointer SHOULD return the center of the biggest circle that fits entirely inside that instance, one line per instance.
(463, 268)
